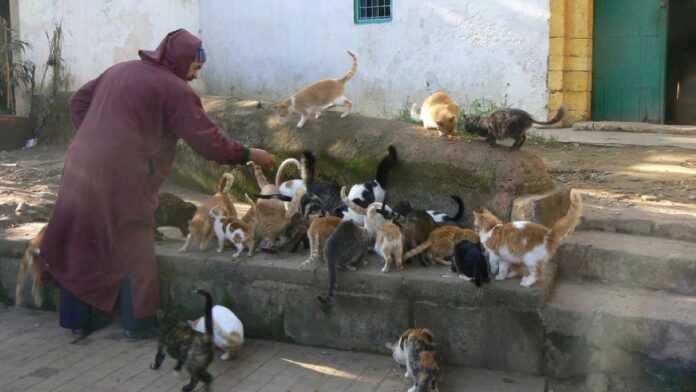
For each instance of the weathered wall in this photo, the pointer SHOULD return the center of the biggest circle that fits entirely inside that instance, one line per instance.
(495, 49)
(100, 33)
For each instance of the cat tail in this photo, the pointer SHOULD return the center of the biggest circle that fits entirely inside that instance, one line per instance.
(415, 116)
(331, 265)
(460, 209)
(385, 166)
(261, 179)
(225, 182)
(278, 196)
(308, 164)
(417, 250)
(208, 313)
(559, 115)
(286, 163)
(566, 224)
(349, 75)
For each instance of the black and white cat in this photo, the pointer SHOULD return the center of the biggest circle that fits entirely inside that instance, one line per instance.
(372, 191)
(470, 262)
(404, 207)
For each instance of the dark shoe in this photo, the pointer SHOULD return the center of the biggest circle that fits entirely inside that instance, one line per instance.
(141, 334)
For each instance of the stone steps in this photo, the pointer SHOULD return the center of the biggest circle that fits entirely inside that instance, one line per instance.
(629, 260)
(619, 336)
(675, 222)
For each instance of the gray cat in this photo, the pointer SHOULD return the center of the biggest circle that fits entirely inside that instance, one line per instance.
(507, 123)
(344, 250)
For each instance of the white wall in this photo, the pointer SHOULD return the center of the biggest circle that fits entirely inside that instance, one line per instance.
(472, 49)
(100, 33)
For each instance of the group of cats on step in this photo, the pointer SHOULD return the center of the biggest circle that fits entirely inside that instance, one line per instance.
(438, 111)
(340, 225)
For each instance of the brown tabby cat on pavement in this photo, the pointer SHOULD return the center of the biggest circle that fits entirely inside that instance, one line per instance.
(317, 97)
(507, 123)
(440, 112)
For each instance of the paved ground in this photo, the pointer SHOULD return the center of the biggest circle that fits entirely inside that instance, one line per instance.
(569, 135)
(37, 355)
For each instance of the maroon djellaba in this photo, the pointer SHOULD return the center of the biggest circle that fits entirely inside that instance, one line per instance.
(99, 243)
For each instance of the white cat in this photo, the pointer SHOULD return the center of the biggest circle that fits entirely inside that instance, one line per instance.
(228, 331)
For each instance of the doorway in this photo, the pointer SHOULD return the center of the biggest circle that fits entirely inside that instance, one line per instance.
(681, 63)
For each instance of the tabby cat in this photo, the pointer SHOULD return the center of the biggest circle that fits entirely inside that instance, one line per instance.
(507, 123)
(441, 241)
(319, 96)
(189, 347)
(173, 211)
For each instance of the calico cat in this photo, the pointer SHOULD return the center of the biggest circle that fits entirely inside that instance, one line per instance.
(189, 347)
(344, 250)
(470, 262)
(415, 349)
(524, 243)
(373, 191)
(201, 225)
(317, 97)
(507, 123)
(31, 264)
(228, 331)
(440, 112)
(173, 211)
(319, 231)
(236, 231)
(441, 241)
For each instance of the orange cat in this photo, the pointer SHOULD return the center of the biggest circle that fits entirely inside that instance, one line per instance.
(524, 243)
(441, 243)
(319, 231)
(30, 264)
(440, 112)
(317, 97)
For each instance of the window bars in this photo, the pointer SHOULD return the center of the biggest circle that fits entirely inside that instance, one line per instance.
(373, 11)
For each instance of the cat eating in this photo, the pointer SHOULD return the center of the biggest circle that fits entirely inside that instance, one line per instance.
(507, 123)
(440, 112)
(470, 262)
(440, 243)
(523, 243)
(319, 96)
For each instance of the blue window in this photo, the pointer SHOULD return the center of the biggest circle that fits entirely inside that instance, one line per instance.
(373, 11)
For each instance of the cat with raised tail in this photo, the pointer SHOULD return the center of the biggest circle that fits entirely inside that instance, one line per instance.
(439, 111)
(319, 96)
(507, 123)
(523, 243)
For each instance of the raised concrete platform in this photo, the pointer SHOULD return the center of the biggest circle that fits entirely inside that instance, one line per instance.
(569, 135)
(37, 355)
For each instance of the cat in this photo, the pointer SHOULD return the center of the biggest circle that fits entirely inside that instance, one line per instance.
(271, 223)
(470, 262)
(320, 196)
(373, 191)
(266, 187)
(344, 250)
(376, 214)
(319, 96)
(190, 348)
(441, 241)
(290, 187)
(416, 226)
(228, 331)
(389, 244)
(440, 112)
(507, 123)
(415, 350)
(173, 211)
(404, 208)
(441, 217)
(31, 264)
(296, 234)
(236, 231)
(201, 225)
(320, 229)
(524, 243)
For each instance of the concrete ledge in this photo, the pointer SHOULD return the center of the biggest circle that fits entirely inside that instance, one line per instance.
(635, 127)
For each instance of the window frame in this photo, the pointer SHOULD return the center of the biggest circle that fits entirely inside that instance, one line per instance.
(383, 19)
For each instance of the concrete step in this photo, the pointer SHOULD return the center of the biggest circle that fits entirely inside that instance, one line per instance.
(626, 339)
(629, 260)
(677, 222)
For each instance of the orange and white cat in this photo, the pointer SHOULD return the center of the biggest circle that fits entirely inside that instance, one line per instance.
(440, 112)
(30, 264)
(523, 243)
(319, 96)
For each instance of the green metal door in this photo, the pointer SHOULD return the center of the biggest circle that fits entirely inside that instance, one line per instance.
(629, 60)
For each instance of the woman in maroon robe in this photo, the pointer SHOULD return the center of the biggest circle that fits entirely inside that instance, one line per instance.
(99, 243)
